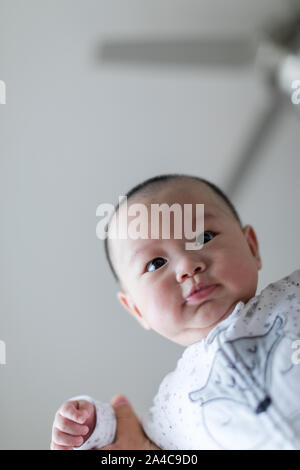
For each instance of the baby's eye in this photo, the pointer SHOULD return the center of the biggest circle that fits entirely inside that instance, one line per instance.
(210, 236)
(156, 263)
(207, 237)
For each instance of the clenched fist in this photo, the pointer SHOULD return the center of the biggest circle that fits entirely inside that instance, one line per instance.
(73, 424)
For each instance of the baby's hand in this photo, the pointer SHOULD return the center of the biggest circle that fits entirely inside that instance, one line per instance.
(73, 424)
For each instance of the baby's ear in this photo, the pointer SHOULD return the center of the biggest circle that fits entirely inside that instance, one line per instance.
(128, 304)
(251, 238)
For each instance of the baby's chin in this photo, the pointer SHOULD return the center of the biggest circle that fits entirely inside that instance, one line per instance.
(198, 332)
(208, 320)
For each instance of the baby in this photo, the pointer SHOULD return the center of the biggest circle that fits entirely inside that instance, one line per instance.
(237, 383)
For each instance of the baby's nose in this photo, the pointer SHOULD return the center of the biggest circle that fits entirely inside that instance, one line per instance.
(186, 272)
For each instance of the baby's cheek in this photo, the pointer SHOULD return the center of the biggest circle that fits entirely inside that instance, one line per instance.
(243, 281)
(162, 316)
(231, 267)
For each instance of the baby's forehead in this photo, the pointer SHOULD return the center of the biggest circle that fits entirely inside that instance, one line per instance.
(177, 192)
(174, 194)
(142, 205)
(171, 200)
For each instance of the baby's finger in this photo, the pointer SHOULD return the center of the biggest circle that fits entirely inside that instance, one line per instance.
(63, 439)
(70, 410)
(70, 427)
(84, 405)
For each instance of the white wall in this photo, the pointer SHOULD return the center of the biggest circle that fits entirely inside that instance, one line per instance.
(75, 134)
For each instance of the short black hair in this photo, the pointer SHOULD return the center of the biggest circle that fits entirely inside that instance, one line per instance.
(147, 185)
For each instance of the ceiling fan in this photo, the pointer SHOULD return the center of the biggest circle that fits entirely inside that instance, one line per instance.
(274, 51)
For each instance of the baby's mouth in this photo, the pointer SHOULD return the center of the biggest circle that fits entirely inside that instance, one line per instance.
(199, 292)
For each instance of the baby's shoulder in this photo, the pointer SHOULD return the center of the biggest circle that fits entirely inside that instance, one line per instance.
(282, 292)
(286, 282)
(279, 301)
(293, 278)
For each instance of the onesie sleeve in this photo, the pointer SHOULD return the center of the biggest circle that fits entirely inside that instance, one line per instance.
(105, 428)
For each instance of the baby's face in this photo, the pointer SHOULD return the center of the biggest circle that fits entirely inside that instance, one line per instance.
(158, 279)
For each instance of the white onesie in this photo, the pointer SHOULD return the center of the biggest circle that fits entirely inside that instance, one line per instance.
(238, 388)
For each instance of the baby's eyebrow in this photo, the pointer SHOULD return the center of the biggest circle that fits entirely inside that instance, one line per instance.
(143, 248)
(135, 253)
(208, 216)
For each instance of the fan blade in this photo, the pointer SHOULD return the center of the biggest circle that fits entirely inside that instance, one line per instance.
(256, 140)
(230, 52)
